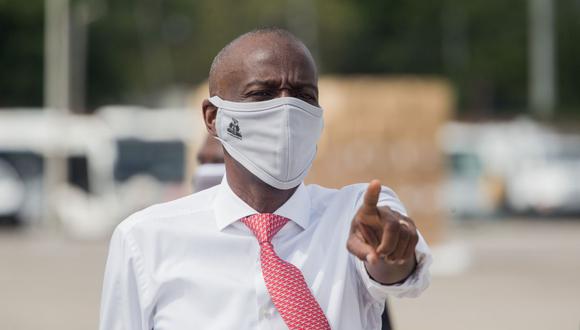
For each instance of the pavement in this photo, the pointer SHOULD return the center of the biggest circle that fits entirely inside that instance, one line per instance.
(521, 275)
(501, 274)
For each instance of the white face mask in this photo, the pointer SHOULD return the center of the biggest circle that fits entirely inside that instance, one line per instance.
(275, 140)
(207, 176)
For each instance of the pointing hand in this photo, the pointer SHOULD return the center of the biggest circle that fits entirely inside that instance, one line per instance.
(381, 233)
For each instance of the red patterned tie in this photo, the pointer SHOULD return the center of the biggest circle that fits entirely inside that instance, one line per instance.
(288, 289)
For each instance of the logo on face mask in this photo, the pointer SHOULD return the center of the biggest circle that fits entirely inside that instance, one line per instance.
(234, 129)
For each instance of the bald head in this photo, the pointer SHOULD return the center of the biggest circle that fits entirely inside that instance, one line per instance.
(273, 60)
(258, 66)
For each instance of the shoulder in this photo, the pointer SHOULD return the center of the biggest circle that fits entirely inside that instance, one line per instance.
(356, 189)
(164, 213)
(353, 194)
(345, 196)
(324, 192)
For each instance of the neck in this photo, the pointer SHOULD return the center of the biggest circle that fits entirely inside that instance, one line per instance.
(253, 191)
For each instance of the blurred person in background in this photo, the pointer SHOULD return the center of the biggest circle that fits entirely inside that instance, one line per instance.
(262, 250)
(211, 168)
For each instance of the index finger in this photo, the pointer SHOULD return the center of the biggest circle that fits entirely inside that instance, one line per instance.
(371, 197)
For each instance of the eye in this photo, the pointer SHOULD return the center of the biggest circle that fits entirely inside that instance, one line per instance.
(307, 97)
(260, 95)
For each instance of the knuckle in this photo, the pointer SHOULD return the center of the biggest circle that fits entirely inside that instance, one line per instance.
(354, 252)
(386, 213)
(399, 254)
(359, 219)
(415, 241)
(405, 234)
(393, 226)
(385, 249)
(349, 244)
(413, 234)
(411, 252)
(389, 247)
(356, 224)
(353, 225)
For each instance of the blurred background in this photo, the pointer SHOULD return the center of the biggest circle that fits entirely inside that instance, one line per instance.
(470, 110)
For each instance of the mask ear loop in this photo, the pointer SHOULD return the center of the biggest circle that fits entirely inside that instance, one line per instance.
(216, 101)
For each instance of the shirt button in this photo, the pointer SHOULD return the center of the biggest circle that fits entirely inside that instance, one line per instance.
(264, 312)
(271, 312)
(267, 313)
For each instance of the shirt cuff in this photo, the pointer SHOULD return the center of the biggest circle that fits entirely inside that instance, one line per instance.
(412, 287)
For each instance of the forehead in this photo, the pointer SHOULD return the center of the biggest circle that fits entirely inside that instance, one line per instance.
(273, 59)
(290, 61)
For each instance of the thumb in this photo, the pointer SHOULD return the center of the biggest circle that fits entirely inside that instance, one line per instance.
(371, 197)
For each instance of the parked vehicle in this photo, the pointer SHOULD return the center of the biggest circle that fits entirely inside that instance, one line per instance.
(518, 166)
(113, 163)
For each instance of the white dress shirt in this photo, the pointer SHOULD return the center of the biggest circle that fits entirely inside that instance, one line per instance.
(191, 264)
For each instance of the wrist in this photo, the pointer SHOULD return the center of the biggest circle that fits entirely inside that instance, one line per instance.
(388, 272)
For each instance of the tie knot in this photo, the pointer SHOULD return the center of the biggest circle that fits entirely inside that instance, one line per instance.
(264, 225)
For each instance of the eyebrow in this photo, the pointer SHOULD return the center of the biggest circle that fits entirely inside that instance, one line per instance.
(273, 82)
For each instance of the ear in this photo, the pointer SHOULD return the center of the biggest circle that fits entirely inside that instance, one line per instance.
(209, 116)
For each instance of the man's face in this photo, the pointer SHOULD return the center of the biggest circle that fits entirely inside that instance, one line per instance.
(267, 67)
(260, 68)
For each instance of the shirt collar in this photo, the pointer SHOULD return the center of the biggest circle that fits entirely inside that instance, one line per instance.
(229, 208)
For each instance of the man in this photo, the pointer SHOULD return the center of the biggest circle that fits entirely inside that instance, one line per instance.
(210, 169)
(262, 250)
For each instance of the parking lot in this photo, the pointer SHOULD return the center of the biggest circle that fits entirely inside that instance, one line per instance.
(520, 275)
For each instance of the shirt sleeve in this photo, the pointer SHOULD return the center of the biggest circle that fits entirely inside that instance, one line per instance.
(123, 287)
(418, 281)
